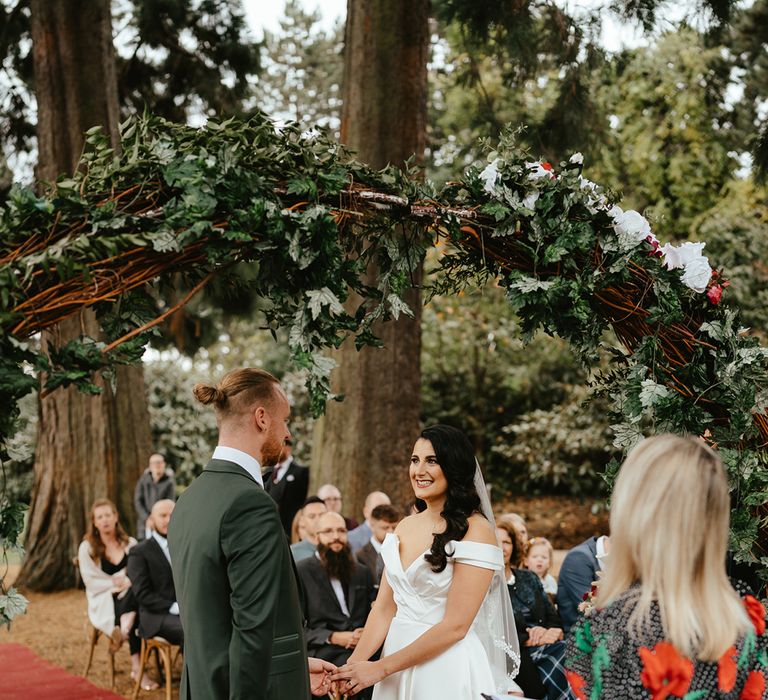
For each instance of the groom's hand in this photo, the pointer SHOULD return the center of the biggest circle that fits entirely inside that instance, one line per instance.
(320, 675)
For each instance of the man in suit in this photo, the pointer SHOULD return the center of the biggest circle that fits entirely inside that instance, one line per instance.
(338, 594)
(577, 574)
(361, 535)
(311, 511)
(383, 519)
(234, 574)
(149, 569)
(287, 482)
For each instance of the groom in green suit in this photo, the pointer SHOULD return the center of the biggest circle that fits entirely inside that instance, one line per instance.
(233, 571)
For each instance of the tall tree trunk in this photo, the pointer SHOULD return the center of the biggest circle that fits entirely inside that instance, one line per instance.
(364, 442)
(88, 446)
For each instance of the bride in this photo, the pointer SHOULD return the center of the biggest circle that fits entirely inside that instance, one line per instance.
(442, 611)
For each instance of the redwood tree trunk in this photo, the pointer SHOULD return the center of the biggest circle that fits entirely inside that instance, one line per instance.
(88, 446)
(363, 443)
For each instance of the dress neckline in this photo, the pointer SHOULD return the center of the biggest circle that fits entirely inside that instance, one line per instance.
(406, 569)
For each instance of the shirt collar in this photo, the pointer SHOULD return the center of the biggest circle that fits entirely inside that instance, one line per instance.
(162, 541)
(375, 543)
(242, 459)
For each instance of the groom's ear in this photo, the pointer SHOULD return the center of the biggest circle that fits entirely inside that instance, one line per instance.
(260, 418)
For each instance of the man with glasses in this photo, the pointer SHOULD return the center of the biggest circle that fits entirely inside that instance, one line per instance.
(338, 592)
(331, 496)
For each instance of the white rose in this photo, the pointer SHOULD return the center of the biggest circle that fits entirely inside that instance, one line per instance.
(632, 224)
(536, 171)
(680, 256)
(490, 175)
(697, 274)
(530, 200)
(576, 158)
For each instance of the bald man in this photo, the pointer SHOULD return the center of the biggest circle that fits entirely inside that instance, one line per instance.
(361, 535)
(149, 568)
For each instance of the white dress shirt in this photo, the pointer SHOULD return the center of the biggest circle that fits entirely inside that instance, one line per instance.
(242, 459)
(376, 544)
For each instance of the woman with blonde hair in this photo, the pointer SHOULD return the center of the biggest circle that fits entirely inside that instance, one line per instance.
(667, 622)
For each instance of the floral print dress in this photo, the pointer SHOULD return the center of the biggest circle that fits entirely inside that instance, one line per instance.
(605, 662)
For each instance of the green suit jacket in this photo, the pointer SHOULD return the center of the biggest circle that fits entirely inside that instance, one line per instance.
(237, 592)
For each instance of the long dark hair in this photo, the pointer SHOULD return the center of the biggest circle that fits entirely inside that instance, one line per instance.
(457, 460)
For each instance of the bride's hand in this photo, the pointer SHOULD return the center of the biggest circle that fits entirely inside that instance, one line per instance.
(352, 678)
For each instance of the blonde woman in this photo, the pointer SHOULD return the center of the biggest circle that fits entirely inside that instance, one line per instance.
(668, 623)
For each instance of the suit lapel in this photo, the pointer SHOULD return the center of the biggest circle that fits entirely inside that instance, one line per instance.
(325, 582)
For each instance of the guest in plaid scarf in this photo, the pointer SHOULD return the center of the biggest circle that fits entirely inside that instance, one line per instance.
(539, 627)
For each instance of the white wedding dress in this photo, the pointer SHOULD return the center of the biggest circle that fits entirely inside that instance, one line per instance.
(462, 671)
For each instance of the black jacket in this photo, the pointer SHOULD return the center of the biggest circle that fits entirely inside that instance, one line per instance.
(152, 585)
(371, 559)
(148, 492)
(323, 612)
(577, 573)
(289, 493)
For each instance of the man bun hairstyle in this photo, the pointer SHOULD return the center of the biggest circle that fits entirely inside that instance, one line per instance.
(237, 391)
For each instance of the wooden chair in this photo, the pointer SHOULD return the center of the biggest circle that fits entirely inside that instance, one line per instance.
(163, 648)
(94, 640)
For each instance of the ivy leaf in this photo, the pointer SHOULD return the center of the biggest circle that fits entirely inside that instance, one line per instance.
(398, 306)
(12, 604)
(318, 298)
(651, 393)
(526, 285)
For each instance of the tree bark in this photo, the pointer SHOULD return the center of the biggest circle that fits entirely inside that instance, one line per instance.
(363, 443)
(88, 446)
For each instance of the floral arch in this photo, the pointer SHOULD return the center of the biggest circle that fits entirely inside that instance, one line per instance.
(310, 220)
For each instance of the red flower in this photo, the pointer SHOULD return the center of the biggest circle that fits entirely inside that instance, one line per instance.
(577, 684)
(665, 672)
(726, 670)
(754, 687)
(546, 166)
(654, 243)
(756, 613)
(715, 293)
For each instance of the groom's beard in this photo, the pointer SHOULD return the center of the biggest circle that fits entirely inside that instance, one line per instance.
(339, 564)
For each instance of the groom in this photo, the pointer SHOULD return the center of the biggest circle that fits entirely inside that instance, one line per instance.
(233, 571)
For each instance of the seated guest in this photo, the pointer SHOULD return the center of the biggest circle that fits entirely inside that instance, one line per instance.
(361, 535)
(312, 509)
(102, 558)
(577, 574)
(538, 558)
(331, 496)
(383, 519)
(149, 567)
(338, 593)
(517, 522)
(298, 533)
(538, 625)
(287, 482)
(666, 620)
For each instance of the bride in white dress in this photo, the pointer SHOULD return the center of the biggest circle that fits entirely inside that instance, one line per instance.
(442, 603)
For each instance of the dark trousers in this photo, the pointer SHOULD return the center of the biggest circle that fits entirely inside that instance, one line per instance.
(170, 629)
(124, 605)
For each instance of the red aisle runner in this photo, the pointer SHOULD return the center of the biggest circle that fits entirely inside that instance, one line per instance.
(25, 676)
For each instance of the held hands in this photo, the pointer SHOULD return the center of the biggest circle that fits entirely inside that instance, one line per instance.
(537, 636)
(320, 676)
(351, 678)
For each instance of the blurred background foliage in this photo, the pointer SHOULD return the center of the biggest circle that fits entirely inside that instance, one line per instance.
(678, 126)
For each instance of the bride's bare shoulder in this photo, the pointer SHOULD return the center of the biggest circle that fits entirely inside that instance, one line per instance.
(480, 530)
(408, 524)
